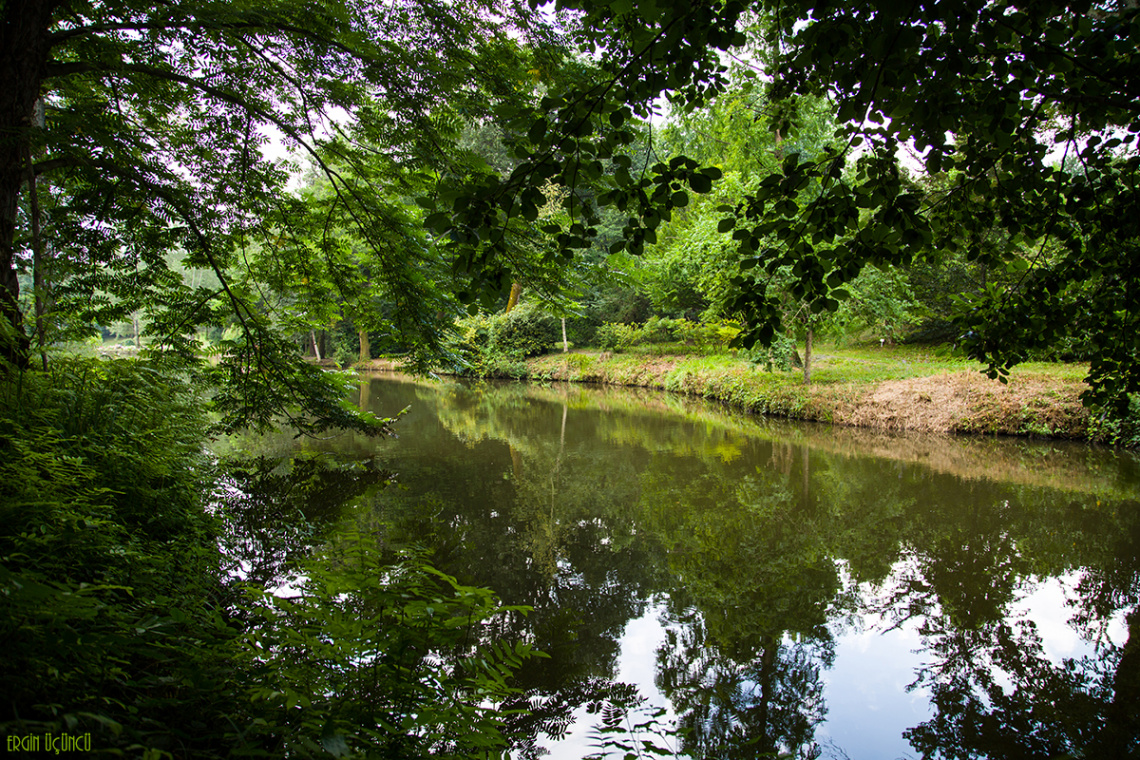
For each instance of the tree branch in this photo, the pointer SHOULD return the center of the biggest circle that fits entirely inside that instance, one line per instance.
(197, 26)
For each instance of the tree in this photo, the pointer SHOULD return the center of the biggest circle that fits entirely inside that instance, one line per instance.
(156, 121)
(1032, 111)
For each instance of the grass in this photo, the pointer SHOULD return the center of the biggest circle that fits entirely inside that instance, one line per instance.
(887, 387)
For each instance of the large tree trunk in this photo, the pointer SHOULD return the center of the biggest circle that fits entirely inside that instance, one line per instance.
(24, 46)
(513, 300)
(365, 348)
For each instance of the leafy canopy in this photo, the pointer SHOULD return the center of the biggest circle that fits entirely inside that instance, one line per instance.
(1030, 115)
(157, 122)
(1025, 120)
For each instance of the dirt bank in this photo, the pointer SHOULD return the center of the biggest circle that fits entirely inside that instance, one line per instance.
(946, 402)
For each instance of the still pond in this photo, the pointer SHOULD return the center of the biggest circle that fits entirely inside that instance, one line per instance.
(755, 587)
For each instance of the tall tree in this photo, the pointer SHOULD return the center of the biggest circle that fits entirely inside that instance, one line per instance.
(156, 121)
(1034, 110)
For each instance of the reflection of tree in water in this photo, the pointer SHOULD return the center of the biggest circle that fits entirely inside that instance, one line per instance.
(748, 640)
(995, 691)
(582, 511)
(997, 695)
(521, 500)
(277, 508)
(744, 709)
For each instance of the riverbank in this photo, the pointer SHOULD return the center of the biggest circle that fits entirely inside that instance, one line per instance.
(898, 388)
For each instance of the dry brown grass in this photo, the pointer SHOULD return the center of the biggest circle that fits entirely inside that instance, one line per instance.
(969, 402)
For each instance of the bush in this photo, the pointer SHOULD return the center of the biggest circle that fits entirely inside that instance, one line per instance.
(110, 574)
(497, 345)
(615, 336)
(704, 336)
(1105, 427)
(524, 332)
(707, 336)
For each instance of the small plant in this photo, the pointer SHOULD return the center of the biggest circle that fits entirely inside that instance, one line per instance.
(630, 728)
(1117, 431)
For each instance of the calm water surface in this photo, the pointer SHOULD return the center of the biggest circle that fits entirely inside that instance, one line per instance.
(772, 587)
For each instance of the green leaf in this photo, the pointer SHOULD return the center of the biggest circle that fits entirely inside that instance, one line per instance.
(438, 222)
(537, 131)
(700, 183)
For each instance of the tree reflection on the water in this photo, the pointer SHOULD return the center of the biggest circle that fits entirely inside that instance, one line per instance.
(587, 506)
(995, 691)
(733, 708)
(277, 508)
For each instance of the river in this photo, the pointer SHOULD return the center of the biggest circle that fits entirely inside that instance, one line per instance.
(745, 586)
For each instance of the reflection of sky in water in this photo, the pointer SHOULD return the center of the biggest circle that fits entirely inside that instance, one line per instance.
(636, 665)
(866, 694)
(869, 706)
(1048, 607)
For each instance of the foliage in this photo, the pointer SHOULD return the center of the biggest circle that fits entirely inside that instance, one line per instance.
(260, 383)
(1118, 431)
(698, 264)
(625, 303)
(881, 302)
(630, 728)
(667, 333)
(158, 121)
(496, 345)
(1028, 113)
(693, 263)
(113, 611)
(526, 331)
(1027, 147)
(378, 657)
(121, 616)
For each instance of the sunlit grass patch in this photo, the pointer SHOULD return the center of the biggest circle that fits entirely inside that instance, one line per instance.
(895, 387)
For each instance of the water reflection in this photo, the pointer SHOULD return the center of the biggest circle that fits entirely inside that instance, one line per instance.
(276, 508)
(769, 544)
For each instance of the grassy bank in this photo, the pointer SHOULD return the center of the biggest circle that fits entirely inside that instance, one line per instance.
(887, 388)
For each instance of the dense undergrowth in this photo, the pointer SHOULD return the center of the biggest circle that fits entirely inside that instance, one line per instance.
(123, 617)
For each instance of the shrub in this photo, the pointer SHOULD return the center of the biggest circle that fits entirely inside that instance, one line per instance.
(497, 345)
(524, 332)
(704, 336)
(707, 336)
(615, 336)
(1105, 427)
(112, 619)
